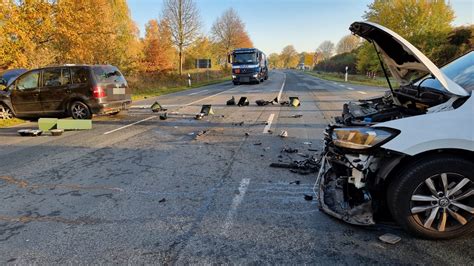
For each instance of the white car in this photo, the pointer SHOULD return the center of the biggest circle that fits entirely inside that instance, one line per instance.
(410, 152)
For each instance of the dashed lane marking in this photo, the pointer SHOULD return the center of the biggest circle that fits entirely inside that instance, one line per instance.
(129, 125)
(198, 92)
(269, 123)
(362, 92)
(235, 204)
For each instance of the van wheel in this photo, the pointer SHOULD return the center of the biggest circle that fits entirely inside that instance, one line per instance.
(434, 198)
(5, 112)
(80, 110)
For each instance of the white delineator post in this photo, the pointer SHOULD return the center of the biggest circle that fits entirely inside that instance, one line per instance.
(189, 80)
(347, 68)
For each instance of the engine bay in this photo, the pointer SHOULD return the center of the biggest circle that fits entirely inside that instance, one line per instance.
(407, 101)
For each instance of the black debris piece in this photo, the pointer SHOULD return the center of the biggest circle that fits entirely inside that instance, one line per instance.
(163, 116)
(257, 144)
(247, 134)
(243, 101)
(304, 167)
(162, 200)
(308, 197)
(297, 116)
(199, 116)
(275, 100)
(263, 102)
(207, 109)
(296, 182)
(231, 101)
(312, 149)
(289, 150)
(238, 123)
(285, 103)
(30, 132)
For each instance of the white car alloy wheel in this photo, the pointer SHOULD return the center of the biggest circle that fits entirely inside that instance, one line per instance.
(441, 202)
(5, 112)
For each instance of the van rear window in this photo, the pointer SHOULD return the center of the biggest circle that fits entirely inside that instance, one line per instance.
(108, 74)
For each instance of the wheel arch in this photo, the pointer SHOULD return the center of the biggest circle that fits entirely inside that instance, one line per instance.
(407, 161)
(8, 104)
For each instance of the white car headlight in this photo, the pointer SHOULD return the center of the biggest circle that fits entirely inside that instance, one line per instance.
(234, 76)
(361, 138)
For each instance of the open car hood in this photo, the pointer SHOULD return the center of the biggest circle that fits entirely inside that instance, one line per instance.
(402, 58)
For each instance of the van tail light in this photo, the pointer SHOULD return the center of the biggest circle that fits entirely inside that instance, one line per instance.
(98, 92)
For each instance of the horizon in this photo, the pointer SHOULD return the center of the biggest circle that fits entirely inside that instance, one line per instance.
(298, 14)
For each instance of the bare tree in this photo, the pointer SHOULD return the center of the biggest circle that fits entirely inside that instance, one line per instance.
(183, 19)
(347, 44)
(326, 49)
(228, 32)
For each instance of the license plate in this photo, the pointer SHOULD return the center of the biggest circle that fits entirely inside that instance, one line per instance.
(119, 90)
(245, 79)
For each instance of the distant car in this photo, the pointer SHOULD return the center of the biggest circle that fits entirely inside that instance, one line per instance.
(8, 76)
(410, 152)
(78, 91)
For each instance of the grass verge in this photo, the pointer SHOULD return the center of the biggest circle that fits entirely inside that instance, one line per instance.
(354, 79)
(157, 91)
(10, 122)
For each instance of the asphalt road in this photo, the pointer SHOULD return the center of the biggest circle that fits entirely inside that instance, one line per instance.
(137, 189)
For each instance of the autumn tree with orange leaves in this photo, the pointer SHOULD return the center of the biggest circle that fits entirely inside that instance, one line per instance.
(157, 47)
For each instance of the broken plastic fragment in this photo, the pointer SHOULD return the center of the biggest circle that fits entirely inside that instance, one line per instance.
(283, 134)
(390, 238)
(308, 197)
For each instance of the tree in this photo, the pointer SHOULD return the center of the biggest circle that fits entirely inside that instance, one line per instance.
(202, 48)
(326, 49)
(228, 32)
(289, 56)
(424, 23)
(157, 46)
(347, 44)
(274, 60)
(184, 24)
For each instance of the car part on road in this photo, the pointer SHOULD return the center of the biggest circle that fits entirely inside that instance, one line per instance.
(243, 101)
(304, 167)
(295, 101)
(284, 134)
(308, 197)
(163, 116)
(231, 101)
(390, 238)
(207, 110)
(263, 102)
(69, 124)
(56, 132)
(47, 124)
(30, 132)
(289, 150)
(156, 107)
(199, 116)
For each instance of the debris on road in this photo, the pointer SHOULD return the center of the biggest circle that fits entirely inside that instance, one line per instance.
(284, 134)
(238, 123)
(308, 197)
(199, 116)
(56, 132)
(297, 116)
(200, 134)
(390, 238)
(285, 103)
(295, 101)
(303, 155)
(156, 107)
(304, 167)
(257, 144)
(313, 150)
(296, 182)
(270, 131)
(243, 101)
(231, 101)
(263, 102)
(207, 109)
(162, 200)
(247, 134)
(289, 150)
(30, 132)
(163, 116)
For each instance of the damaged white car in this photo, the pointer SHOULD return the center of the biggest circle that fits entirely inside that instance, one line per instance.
(410, 151)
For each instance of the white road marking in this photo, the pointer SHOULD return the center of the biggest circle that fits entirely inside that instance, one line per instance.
(269, 123)
(194, 93)
(362, 92)
(129, 125)
(235, 204)
(281, 89)
(342, 85)
(349, 88)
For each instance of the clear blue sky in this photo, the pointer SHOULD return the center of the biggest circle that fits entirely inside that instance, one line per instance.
(273, 24)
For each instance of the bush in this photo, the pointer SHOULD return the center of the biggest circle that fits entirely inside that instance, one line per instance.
(338, 63)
